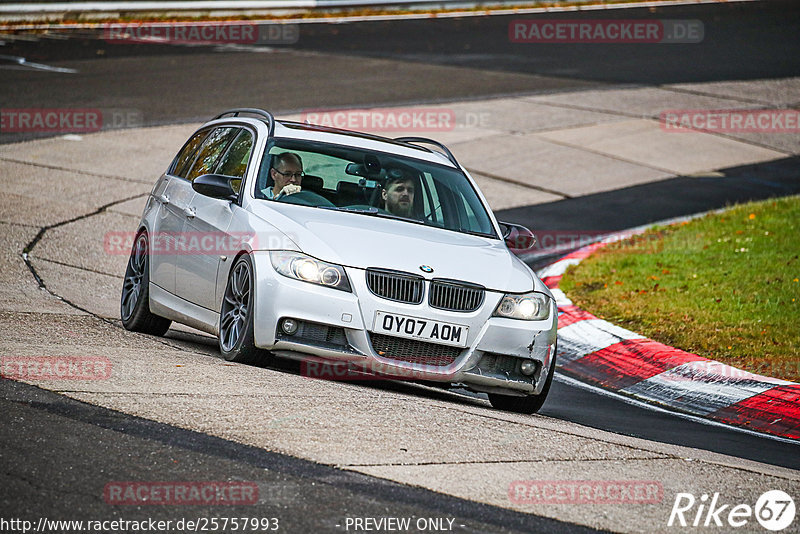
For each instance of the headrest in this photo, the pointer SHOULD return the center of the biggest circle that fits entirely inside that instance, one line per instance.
(312, 183)
(349, 188)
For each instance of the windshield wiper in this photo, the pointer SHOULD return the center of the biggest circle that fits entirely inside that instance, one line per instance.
(386, 215)
(370, 211)
(479, 234)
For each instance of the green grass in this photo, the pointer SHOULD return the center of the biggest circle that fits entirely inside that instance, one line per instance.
(725, 286)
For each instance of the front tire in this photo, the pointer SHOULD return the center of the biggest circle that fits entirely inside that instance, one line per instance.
(134, 306)
(529, 404)
(236, 338)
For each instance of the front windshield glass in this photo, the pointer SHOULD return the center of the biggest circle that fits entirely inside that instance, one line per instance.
(320, 175)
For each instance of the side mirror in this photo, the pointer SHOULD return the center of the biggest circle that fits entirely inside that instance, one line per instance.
(215, 186)
(517, 237)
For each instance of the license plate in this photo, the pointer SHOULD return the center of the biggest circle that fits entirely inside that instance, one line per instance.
(393, 324)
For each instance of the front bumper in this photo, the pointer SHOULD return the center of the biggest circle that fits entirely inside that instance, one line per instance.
(336, 325)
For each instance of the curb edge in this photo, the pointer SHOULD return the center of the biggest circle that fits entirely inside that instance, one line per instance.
(602, 354)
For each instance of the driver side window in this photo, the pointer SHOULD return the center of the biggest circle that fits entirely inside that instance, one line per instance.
(234, 162)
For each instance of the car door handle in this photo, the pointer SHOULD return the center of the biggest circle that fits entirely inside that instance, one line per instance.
(164, 199)
(190, 213)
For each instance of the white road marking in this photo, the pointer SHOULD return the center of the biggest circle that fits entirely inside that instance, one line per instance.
(692, 388)
(647, 406)
(36, 66)
(558, 268)
(588, 336)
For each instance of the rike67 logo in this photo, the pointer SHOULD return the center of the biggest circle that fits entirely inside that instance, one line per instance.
(774, 510)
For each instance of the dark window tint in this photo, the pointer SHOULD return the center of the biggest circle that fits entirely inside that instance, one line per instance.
(234, 162)
(210, 151)
(186, 157)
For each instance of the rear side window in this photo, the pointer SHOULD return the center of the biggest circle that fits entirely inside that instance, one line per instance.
(210, 151)
(186, 157)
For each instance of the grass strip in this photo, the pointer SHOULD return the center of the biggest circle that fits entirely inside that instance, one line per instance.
(725, 286)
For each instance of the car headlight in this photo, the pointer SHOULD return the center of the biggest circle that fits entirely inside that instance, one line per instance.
(307, 269)
(531, 306)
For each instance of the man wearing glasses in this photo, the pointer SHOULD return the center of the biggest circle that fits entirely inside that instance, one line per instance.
(287, 173)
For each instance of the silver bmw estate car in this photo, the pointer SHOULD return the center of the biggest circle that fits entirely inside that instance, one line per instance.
(327, 245)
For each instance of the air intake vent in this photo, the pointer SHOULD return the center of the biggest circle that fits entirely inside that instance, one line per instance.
(413, 351)
(456, 296)
(395, 285)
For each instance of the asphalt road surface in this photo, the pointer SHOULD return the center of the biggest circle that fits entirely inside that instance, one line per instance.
(80, 447)
(45, 436)
(392, 62)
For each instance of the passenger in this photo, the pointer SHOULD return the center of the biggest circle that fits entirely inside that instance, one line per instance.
(398, 194)
(287, 173)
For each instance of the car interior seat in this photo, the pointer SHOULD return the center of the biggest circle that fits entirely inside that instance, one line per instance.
(349, 193)
(312, 183)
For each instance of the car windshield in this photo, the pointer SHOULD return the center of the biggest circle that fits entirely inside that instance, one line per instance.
(371, 183)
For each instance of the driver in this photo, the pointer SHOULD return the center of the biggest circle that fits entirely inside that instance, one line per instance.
(398, 194)
(287, 173)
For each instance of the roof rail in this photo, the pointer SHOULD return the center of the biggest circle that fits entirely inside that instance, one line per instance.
(266, 115)
(413, 140)
(331, 129)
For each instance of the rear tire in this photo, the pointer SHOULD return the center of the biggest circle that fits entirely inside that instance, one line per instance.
(134, 306)
(529, 404)
(236, 338)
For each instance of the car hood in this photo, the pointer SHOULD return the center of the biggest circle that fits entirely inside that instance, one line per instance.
(361, 241)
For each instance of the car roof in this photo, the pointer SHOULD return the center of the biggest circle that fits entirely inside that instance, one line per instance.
(296, 130)
(411, 147)
(405, 146)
